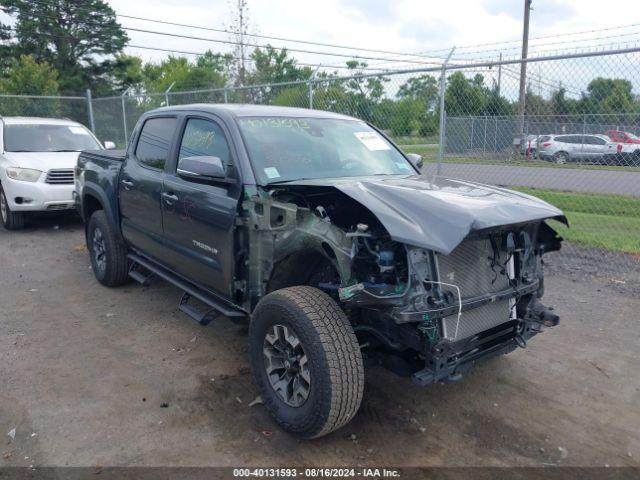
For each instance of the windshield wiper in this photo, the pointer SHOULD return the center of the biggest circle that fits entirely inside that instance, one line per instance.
(279, 182)
(64, 150)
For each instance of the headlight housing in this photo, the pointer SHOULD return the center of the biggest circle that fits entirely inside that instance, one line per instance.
(23, 174)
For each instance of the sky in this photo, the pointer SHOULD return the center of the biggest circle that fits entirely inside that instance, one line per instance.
(393, 25)
(475, 27)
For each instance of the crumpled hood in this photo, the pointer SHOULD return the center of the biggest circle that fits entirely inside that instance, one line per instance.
(43, 161)
(438, 213)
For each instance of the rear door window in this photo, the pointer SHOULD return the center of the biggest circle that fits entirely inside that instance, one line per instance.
(154, 142)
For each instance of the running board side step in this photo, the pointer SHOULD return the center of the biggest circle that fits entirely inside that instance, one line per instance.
(217, 307)
(143, 279)
(203, 318)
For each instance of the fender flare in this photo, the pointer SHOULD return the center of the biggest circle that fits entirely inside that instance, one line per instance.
(94, 190)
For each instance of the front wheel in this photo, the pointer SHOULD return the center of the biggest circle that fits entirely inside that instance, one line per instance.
(10, 220)
(108, 253)
(306, 361)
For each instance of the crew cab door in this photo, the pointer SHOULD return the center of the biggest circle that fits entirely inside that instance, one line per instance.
(199, 216)
(140, 185)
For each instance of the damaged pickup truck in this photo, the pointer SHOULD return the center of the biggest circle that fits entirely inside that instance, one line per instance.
(317, 231)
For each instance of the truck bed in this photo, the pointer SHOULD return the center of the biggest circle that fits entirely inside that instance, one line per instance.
(114, 155)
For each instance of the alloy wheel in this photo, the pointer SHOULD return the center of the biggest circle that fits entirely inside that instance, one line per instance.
(99, 251)
(561, 159)
(287, 365)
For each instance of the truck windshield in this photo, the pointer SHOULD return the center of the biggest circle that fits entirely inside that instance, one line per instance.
(288, 148)
(47, 138)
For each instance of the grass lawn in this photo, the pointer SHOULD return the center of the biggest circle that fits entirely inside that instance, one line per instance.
(415, 140)
(430, 154)
(611, 222)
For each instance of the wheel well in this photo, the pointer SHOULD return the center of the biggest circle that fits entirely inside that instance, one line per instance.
(90, 204)
(305, 267)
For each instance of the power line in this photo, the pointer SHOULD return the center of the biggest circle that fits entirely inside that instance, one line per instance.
(421, 54)
(269, 37)
(200, 54)
(257, 45)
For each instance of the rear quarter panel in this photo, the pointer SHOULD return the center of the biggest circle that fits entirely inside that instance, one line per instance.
(97, 176)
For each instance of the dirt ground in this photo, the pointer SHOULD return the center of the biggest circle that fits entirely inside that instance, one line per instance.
(117, 377)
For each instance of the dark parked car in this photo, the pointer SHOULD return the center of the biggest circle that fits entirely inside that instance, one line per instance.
(317, 231)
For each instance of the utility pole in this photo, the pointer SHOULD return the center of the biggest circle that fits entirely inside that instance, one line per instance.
(523, 71)
(499, 74)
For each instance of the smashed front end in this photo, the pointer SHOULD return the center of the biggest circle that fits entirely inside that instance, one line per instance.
(481, 299)
(418, 311)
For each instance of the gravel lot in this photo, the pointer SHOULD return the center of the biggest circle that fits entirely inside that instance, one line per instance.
(96, 376)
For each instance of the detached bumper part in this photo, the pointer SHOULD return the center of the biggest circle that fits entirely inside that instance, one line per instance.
(451, 359)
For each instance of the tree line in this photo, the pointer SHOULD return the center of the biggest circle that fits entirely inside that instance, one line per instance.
(65, 47)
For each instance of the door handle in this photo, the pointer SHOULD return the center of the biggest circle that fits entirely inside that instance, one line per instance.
(169, 198)
(127, 184)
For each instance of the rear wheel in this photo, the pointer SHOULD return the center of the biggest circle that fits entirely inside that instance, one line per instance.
(108, 253)
(10, 220)
(561, 158)
(306, 361)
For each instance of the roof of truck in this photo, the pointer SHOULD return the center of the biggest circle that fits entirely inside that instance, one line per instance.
(247, 110)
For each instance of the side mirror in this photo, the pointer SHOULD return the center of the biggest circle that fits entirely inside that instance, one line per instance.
(201, 168)
(109, 145)
(416, 160)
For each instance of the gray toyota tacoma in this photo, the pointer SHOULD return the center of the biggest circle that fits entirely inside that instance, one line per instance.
(321, 234)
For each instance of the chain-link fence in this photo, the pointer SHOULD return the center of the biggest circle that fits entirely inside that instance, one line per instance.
(74, 108)
(572, 141)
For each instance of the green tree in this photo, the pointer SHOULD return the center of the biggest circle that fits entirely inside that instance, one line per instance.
(417, 106)
(211, 70)
(76, 37)
(535, 104)
(464, 97)
(125, 71)
(609, 95)
(424, 88)
(25, 76)
(496, 104)
(5, 47)
(561, 105)
(275, 66)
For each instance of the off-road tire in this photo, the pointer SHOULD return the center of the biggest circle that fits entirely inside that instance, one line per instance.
(115, 271)
(10, 220)
(336, 369)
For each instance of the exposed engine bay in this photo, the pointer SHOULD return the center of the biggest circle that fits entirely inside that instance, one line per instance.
(421, 312)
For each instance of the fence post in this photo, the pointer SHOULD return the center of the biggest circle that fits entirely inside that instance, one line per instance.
(226, 95)
(310, 94)
(584, 131)
(92, 124)
(484, 139)
(441, 138)
(166, 93)
(124, 120)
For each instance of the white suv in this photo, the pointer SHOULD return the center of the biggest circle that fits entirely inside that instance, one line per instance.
(37, 160)
(570, 148)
